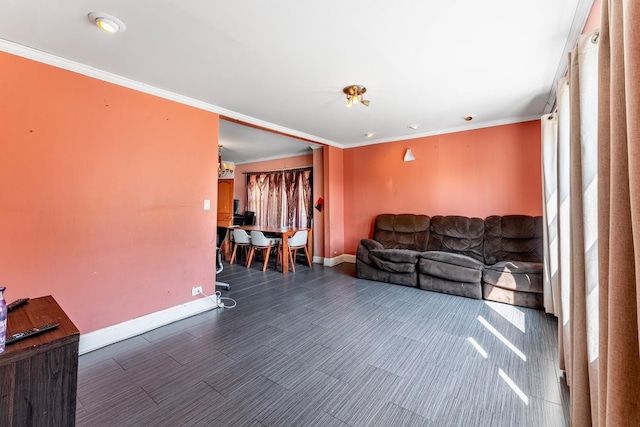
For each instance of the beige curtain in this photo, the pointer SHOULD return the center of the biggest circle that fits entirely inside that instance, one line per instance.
(594, 140)
(258, 187)
(583, 184)
(619, 214)
(549, 145)
(564, 228)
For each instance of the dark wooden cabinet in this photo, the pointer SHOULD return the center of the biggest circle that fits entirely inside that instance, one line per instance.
(39, 375)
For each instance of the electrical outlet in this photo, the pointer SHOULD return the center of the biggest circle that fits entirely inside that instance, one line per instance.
(196, 290)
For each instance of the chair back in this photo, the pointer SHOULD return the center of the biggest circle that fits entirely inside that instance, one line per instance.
(249, 218)
(259, 239)
(298, 239)
(240, 236)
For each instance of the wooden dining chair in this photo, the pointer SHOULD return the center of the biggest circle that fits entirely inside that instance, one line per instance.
(260, 242)
(242, 239)
(298, 241)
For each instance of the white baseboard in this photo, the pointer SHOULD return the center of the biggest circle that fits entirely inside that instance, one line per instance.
(330, 262)
(112, 334)
(103, 337)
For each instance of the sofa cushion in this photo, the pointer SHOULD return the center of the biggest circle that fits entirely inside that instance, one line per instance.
(436, 284)
(508, 296)
(450, 266)
(371, 272)
(404, 231)
(457, 234)
(513, 238)
(396, 255)
(515, 275)
(454, 259)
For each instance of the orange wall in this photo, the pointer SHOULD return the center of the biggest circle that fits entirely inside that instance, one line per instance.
(335, 203)
(102, 195)
(473, 173)
(318, 192)
(593, 21)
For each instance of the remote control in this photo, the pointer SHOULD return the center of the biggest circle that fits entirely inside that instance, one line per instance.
(29, 333)
(17, 303)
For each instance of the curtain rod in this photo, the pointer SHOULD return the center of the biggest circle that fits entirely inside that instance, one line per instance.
(280, 170)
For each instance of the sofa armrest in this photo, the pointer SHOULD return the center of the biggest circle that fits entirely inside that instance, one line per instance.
(371, 244)
(396, 255)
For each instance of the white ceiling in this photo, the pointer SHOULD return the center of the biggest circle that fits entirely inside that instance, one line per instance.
(282, 64)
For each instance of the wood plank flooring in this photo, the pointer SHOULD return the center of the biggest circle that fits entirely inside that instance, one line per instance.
(321, 348)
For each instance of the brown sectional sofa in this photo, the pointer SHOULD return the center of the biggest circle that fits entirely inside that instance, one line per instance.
(499, 258)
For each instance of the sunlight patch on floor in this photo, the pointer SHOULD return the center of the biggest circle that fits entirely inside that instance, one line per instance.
(478, 348)
(514, 387)
(502, 338)
(510, 313)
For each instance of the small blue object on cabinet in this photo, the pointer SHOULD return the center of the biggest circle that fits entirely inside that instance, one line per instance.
(3, 319)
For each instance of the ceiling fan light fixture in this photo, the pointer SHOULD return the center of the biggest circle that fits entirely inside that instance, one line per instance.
(106, 22)
(224, 169)
(355, 95)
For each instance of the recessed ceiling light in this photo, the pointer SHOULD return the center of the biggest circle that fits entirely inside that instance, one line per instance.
(109, 23)
(467, 118)
(414, 127)
(368, 135)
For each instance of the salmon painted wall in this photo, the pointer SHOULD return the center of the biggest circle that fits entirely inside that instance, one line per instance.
(477, 173)
(102, 195)
(318, 191)
(239, 183)
(335, 203)
(593, 21)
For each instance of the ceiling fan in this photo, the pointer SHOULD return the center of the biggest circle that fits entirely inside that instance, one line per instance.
(355, 95)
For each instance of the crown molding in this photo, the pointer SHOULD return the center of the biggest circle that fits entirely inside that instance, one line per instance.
(501, 122)
(85, 70)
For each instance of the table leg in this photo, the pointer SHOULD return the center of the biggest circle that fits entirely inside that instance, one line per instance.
(226, 247)
(310, 244)
(285, 252)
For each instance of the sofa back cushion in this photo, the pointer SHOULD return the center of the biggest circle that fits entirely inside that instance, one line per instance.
(513, 238)
(404, 231)
(457, 234)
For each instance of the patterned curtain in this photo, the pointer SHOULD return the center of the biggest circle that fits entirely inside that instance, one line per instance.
(281, 198)
(305, 214)
(273, 202)
(258, 186)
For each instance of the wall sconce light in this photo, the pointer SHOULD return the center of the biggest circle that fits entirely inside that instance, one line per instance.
(408, 155)
(224, 169)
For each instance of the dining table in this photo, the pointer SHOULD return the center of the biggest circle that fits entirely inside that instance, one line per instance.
(284, 233)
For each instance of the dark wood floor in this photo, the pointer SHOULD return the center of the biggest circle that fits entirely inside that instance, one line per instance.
(322, 348)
